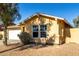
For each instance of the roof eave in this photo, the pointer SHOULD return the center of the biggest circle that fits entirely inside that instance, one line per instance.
(47, 16)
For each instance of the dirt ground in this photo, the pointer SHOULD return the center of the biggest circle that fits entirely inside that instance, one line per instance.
(70, 49)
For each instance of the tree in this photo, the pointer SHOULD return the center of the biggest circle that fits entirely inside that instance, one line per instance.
(9, 12)
(76, 21)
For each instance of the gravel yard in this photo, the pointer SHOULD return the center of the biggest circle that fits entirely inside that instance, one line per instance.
(70, 49)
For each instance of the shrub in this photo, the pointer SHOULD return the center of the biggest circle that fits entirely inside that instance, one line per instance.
(25, 37)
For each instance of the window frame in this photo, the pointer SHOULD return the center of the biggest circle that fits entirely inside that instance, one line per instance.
(39, 31)
(43, 31)
(35, 31)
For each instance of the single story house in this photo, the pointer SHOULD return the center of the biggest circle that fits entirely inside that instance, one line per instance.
(45, 28)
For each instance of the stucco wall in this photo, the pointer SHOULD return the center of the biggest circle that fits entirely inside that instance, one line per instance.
(72, 35)
(52, 29)
(61, 32)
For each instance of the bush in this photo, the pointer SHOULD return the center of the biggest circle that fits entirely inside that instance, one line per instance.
(25, 37)
(1, 36)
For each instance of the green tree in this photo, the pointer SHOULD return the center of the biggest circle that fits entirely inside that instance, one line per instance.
(9, 12)
(76, 21)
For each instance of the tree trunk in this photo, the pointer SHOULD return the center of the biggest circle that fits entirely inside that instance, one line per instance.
(5, 35)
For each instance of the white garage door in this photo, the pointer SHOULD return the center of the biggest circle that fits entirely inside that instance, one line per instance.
(13, 34)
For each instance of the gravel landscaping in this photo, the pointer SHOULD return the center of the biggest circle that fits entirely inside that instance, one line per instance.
(70, 49)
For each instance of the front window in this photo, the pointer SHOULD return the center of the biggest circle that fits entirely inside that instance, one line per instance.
(35, 30)
(39, 31)
(43, 29)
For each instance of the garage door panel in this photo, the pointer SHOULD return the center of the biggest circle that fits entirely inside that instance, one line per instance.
(13, 34)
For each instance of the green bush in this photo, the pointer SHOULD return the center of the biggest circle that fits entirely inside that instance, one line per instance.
(25, 37)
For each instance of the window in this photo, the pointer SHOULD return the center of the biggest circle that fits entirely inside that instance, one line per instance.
(35, 34)
(39, 31)
(35, 30)
(43, 34)
(43, 29)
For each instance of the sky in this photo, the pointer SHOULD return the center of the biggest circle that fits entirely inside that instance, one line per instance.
(69, 11)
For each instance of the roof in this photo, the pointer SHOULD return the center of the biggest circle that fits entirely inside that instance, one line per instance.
(14, 26)
(42, 14)
(11, 24)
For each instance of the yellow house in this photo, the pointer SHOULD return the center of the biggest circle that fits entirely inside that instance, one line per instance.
(45, 28)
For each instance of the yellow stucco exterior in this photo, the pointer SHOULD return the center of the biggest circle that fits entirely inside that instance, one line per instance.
(55, 28)
(72, 35)
(58, 30)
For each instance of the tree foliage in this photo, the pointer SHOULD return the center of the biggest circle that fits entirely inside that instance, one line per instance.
(9, 12)
(76, 21)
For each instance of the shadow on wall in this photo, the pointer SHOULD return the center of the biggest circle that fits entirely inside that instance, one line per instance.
(51, 40)
(25, 38)
(67, 34)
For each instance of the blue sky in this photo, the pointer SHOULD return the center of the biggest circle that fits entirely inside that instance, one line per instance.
(69, 11)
